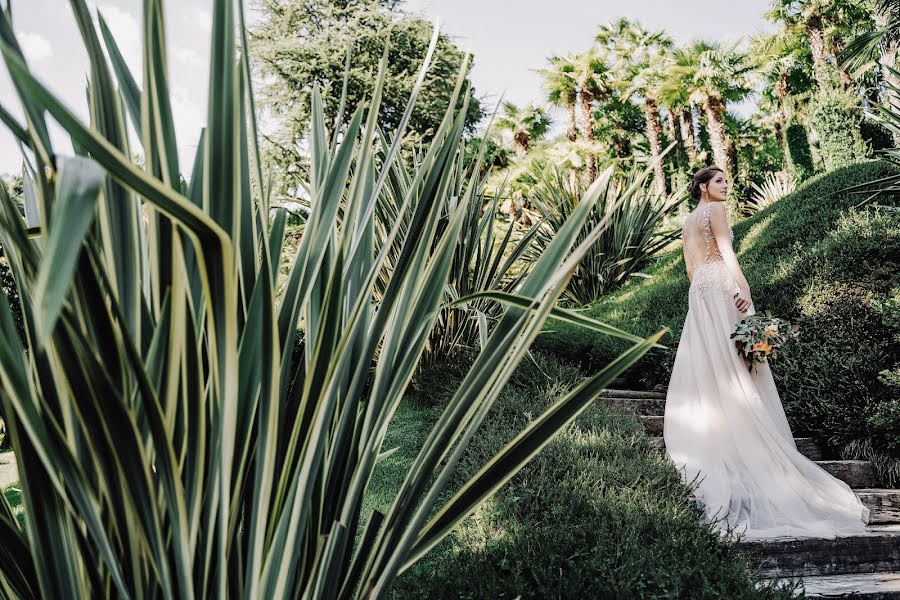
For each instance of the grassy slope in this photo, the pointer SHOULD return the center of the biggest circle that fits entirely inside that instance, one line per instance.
(598, 513)
(810, 258)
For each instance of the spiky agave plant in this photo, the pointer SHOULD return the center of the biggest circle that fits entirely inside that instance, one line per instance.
(776, 186)
(482, 261)
(168, 444)
(633, 211)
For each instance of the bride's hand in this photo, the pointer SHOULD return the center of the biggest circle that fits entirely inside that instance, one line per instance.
(742, 299)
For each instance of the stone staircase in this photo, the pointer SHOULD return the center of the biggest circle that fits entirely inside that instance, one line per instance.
(865, 566)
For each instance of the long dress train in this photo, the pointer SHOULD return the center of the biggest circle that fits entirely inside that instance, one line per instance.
(725, 426)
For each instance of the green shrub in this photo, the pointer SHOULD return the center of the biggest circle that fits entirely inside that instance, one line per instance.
(598, 514)
(876, 135)
(635, 211)
(799, 156)
(836, 118)
(817, 261)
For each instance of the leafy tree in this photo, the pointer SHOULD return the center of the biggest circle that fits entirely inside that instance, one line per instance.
(527, 124)
(298, 44)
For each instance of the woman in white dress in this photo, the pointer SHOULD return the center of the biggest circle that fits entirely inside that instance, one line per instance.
(725, 426)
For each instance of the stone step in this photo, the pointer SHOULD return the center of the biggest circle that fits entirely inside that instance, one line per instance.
(877, 550)
(809, 447)
(855, 473)
(653, 424)
(610, 393)
(812, 448)
(883, 504)
(864, 586)
(639, 406)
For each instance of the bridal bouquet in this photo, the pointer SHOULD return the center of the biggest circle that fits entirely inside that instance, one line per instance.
(760, 336)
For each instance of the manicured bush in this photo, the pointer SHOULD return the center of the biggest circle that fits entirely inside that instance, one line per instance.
(816, 260)
(799, 156)
(836, 118)
(598, 514)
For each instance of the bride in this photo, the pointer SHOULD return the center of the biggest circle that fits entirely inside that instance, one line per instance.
(724, 426)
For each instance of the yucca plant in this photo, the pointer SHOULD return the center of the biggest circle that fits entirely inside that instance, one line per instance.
(634, 213)
(776, 186)
(482, 262)
(170, 442)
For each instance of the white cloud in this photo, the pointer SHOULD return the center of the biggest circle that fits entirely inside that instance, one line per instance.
(35, 46)
(202, 18)
(189, 116)
(188, 57)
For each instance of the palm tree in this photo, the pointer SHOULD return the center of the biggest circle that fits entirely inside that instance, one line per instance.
(591, 74)
(822, 23)
(774, 57)
(562, 90)
(676, 100)
(712, 75)
(642, 58)
(526, 124)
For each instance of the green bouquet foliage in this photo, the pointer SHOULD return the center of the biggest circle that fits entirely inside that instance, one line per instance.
(171, 441)
(758, 337)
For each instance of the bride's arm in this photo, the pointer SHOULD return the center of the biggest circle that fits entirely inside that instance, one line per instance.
(722, 234)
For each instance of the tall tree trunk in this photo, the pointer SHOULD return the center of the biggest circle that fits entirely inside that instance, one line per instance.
(837, 46)
(521, 140)
(572, 131)
(622, 145)
(715, 117)
(686, 123)
(675, 131)
(572, 135)
(779, 137)
(587, 110)
(821, 69)
(654, 136)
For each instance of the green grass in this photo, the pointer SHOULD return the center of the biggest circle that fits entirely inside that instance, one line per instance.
(599, 513)
(811, 258)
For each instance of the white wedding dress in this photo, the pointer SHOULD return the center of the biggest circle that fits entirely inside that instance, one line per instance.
(725, 426)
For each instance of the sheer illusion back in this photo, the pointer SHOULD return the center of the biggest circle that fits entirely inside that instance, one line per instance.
(725, 428)
(700, 244)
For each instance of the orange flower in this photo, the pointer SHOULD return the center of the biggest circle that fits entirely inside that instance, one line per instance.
(762, 346)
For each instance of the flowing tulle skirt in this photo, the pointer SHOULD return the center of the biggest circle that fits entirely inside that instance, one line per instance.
(725, 427)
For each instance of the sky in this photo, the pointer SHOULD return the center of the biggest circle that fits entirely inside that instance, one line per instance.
(510, 41)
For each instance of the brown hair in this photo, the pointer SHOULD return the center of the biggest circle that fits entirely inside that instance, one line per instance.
(703, 176)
